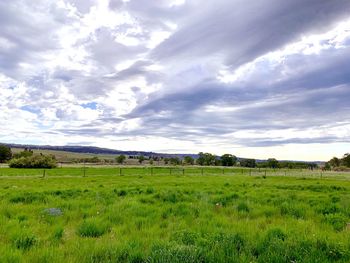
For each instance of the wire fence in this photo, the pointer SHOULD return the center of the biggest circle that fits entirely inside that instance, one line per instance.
(88, 171)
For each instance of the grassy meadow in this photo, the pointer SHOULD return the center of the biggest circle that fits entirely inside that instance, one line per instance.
(173, 215)
(63, 156)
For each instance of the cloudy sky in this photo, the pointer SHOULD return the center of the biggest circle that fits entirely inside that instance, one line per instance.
(263, 78)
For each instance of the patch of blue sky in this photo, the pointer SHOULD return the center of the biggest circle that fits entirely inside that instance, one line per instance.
(89, 105)
(31, 109)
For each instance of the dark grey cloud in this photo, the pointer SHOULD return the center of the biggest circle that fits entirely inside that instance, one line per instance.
(240, 31)
(316, 95)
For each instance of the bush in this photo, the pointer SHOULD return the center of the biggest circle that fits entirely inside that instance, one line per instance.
(39, 161)
(25, 241)
(342, 169)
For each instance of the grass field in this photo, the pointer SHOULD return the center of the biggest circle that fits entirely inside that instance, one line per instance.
(63, 156)
(171, 215)
(72, 157)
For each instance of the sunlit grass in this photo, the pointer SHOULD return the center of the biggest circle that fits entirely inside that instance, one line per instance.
(139, 217)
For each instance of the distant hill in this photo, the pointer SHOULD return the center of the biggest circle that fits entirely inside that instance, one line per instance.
(98, 150)
(95, 150)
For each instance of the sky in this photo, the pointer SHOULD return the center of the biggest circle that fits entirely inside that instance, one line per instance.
(259, 79)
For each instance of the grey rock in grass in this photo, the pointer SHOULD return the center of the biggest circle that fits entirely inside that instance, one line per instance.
(53, 211)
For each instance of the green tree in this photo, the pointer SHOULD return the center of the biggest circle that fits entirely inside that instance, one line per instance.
(188, 160)
(272, 163)
(175, 161)
(120, 159)
(248, 163)
(327, 166)
(5, 153)
(228, 160)
(206, 159)
(334, 162)
(141, 159)
(346, 160)
(312, 166)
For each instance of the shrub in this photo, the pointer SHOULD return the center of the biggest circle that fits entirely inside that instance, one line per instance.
(342, 169)
(25, 241)
(38, 161)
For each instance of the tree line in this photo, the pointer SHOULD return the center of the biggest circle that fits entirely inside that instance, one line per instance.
(27, 159)
(338, 164)
(208, 159)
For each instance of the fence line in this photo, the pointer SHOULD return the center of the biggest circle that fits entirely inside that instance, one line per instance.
(86, 171)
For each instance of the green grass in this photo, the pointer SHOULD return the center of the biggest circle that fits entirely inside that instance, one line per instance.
(139, 217)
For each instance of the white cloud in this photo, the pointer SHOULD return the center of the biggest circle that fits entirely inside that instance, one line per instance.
(181, 76)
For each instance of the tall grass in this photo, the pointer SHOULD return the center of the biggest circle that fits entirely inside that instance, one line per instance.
(174, 218)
